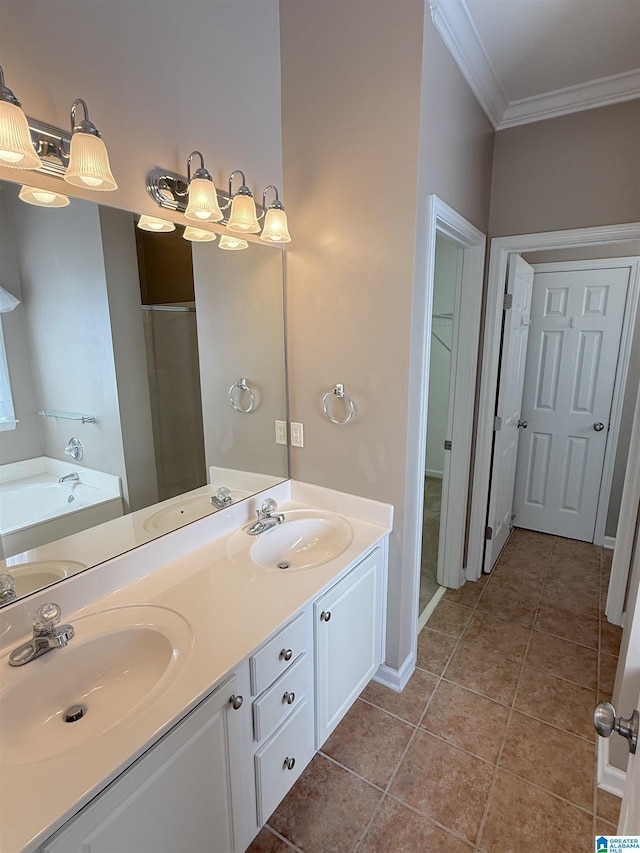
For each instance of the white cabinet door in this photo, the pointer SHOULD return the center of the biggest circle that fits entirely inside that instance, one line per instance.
(348, 637)
(180, 796)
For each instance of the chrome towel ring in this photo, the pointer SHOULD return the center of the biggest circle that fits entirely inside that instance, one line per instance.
(242, 388)
(338, 392)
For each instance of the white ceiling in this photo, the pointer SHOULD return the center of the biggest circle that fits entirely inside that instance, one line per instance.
(528, 60)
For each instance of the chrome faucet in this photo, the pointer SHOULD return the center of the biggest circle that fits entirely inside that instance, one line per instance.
(266, 519)
(222, 498)
(70, 478)
(7, 589)
(47, 635)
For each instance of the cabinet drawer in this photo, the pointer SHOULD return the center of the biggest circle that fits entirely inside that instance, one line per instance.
(275, 772)
(281, 698)
(277, 655)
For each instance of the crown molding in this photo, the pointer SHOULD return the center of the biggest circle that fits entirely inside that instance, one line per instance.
(573, 99)
(456, 28)
(453, 22)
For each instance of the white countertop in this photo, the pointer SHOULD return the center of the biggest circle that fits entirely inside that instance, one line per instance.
(232, 608)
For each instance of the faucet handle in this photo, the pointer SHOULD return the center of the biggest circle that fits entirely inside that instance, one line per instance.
(7, 584)
(47, 617)
(268, 506)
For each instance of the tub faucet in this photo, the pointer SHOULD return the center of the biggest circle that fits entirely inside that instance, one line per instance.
(70, 478)
(47, 635)
(266, 519)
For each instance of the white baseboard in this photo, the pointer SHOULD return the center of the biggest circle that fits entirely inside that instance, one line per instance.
(609, 778)
(437, 475)
(609, 542)
(423, 618)
(396, 679)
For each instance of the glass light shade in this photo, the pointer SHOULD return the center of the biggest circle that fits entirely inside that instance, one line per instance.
(198, 235)
(7, 301)
(42, 198)
(89, 164)
(243, 215)
(203, 201)
(232, 244)
(150, 223)
(16, 148)
(275, 228)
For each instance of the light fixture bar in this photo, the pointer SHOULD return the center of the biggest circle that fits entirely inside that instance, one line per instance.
(52, 145)
(171, 191)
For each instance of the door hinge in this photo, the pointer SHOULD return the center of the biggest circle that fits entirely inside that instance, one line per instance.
(488, 533)
(497, 423)
(508, 301)
(447, 445)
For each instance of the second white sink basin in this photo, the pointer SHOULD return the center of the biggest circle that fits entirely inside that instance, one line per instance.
(117, 664)
(306, 539)
(29, 577)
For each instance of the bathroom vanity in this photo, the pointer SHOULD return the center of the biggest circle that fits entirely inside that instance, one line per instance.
(246, 669)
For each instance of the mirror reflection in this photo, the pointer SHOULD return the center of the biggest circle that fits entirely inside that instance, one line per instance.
(140, 378)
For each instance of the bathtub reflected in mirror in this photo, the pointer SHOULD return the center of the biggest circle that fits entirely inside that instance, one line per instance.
(130, 343)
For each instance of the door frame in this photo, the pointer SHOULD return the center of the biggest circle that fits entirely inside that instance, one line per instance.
(443, 219)
(501, 247)
(622, 369)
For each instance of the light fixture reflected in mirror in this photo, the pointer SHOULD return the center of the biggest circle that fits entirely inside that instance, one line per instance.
(88, 159)
(243, 216)
(198, 235)
(275, 228)
(232, 244)
(150, 223)
(203, 199)
(16, 147)
(42, 198)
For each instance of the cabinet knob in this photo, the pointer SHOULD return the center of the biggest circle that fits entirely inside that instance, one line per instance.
(289, 698)
(325, 616)
(286, 654)
(289, 763)
(236, 702)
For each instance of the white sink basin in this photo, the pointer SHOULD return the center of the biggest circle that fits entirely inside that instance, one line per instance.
(117, 664)
(32, 576)
(306, 539)
(182, 511)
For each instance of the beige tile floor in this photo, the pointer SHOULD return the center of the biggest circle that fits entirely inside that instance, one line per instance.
(490, 747)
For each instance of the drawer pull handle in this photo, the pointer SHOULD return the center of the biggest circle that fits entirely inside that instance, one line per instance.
(286, 654)
(289, 763)
(325, 616)
(289, 698)
(236, 702)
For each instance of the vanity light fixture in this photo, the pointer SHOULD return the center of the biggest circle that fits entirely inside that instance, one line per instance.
(275, 228)
(42, 198)
(243, 216)
(203, 199)
(198, 235)
(150, 223)
(16, 148)
(232, 244)
(88, 165)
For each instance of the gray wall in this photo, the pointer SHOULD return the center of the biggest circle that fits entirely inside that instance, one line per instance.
(64, 292)
(160, 77)
(26, 440)
(370, 127)
(240, 317)
(575, 171)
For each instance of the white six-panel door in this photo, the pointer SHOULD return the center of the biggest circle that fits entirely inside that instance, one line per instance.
(574, 339)
(514, 353)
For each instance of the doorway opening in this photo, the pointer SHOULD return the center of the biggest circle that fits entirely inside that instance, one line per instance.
(445, 339)
(502, 250)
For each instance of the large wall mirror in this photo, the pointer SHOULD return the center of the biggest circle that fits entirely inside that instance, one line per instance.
(141, 376)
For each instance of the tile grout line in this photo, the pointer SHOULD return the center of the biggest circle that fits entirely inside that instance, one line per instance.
(416, 728)
(494, 778)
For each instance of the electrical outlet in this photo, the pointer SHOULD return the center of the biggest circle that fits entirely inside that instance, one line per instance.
(297, 435)
(281, 432)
